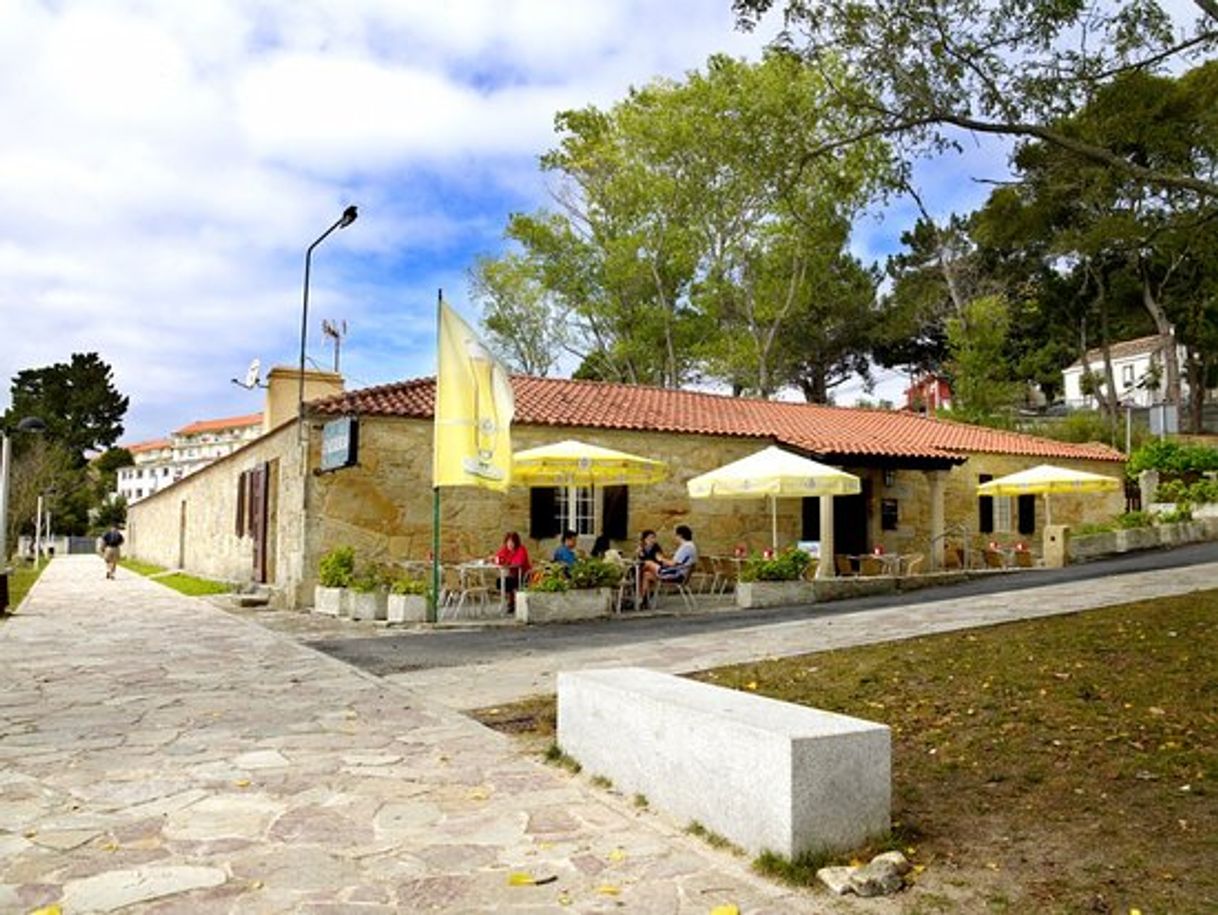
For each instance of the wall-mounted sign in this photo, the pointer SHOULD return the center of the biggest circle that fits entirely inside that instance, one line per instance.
(340, 443)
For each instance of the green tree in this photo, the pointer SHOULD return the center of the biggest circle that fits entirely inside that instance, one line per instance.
(976, 340)
(1008, 67)
(77, 400)
(525, 327)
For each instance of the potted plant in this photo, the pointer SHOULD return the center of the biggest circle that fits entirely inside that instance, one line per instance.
(407, 601)
(775, 581)
(334, 574)
(584, 591)
(368, 596)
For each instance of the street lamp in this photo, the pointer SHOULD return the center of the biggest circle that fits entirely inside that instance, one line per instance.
(27, 424)
(348, 217)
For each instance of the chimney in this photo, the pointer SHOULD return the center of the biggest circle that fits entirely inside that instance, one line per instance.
(283, 392)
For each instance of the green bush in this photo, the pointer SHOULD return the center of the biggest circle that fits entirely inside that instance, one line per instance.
(337, 568)
(1134, 519)
(552, 580)
(1180, 491)
(1169, 456)
(1093, 527)
(594, 573)
(1183, 512)
(786, 566)
(408, 585)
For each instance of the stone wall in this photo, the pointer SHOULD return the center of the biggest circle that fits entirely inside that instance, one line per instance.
(192, 524)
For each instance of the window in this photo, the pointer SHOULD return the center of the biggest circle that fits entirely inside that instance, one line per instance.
(888, 514)
(1127, 376)
(1026, 511)
(985, 507)
(1002, 514)
(581, 517)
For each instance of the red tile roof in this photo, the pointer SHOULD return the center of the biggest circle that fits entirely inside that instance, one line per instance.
(213, 425)
(817, 430)
(155, 444)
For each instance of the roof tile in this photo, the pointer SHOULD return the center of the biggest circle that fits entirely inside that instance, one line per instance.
(812, 428)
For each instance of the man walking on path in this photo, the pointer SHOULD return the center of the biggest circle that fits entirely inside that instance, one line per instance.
(112, 540)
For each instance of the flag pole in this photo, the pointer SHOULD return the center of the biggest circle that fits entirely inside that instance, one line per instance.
(433, 599)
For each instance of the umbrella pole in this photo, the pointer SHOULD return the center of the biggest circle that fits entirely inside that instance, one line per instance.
(774, 522)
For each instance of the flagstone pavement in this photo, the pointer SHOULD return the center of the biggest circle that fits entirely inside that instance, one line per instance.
(160, 755)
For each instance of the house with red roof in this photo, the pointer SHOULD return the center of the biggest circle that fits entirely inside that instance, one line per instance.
(162, 461)
(267, 512)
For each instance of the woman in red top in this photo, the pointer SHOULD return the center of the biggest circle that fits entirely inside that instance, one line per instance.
(515, 558)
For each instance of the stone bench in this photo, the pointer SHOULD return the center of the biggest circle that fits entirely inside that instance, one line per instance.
(767, 775)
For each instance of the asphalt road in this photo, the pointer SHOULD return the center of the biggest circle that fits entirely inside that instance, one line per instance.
(416, 650)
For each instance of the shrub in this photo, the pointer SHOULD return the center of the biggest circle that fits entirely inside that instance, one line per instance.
(1093, 527)
(786, 566)
(1171, 457)
(1197, 493)
(594, 573)
(1133, 519)
(1183, 512)
(408, 585)
(553, 580)
(337, 568)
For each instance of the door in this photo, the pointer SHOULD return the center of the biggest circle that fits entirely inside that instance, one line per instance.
(850, 521)
(257, 520)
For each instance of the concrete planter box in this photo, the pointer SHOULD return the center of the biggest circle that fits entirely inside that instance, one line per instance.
(407, 608)
(1137, 538)
(843, 588)
(751, 594)
(368, 605)
(562, 606)
(1089, 546)
(329, 601)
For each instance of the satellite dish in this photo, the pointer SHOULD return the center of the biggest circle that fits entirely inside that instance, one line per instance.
(251, 376)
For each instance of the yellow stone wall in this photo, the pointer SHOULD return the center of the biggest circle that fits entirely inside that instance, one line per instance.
(383, 507)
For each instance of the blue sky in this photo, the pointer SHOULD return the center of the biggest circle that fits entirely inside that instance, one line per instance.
(166, 163)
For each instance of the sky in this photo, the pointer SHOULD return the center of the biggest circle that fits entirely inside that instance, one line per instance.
(164, 165)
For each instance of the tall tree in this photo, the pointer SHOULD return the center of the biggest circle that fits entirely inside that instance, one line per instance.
(1010, 67)
(692, 231)
(77, 400)
(525, 329)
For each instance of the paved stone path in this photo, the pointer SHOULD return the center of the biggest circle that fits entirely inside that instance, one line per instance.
(160, 755)
(534, 671)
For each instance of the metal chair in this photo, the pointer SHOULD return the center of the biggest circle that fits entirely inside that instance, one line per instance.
(456, 591)
(680, 584)
(911, 564)
(871, 565)
(994, 559)
(843, 566)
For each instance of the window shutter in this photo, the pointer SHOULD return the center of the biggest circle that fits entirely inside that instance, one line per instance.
(241, 503)
(1027, 514)
(985, 507)
(615, 512)
(811, 518)
(543, 512)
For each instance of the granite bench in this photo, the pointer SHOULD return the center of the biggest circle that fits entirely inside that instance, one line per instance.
(768, 775)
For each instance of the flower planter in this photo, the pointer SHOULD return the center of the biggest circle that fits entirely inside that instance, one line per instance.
(751, 594)
(368, 605)
(406, 608)
(330, 601)
(562, 606)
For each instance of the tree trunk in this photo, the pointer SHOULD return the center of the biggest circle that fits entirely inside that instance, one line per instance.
(1167, 339)
(1109, 400)
(1196, 390)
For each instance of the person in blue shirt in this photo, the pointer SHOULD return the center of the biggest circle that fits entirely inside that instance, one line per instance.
(566, 550)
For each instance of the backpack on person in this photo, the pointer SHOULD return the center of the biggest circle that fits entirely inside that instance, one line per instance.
(112, 538)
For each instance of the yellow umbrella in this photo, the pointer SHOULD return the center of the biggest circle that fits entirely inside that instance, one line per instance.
(572, 463)
(1047, 479)
(773, 473)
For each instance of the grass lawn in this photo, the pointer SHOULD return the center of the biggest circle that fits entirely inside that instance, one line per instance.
(1067, 764)
(179, 581)
(20, 580)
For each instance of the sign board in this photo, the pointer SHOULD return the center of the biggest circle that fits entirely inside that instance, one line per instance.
(811, 547)
(340, 444)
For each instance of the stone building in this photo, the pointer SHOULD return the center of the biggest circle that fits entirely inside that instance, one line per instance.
(267, 512)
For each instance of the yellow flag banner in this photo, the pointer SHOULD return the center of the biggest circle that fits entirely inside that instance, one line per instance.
(474, 410)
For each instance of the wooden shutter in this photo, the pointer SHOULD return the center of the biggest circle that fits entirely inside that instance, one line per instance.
(259, 488)
(615, 512)
(543, 512)
(1027, 514)
(241, 484)
(985, 507)
(811, 518)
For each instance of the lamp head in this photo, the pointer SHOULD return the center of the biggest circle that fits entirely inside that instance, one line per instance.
(349, 216)
(31, 424)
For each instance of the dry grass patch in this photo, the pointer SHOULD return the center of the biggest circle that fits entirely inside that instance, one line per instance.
(1067, 764)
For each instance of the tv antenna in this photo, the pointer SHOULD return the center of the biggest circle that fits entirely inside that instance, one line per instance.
(251, 377)
(335, 330)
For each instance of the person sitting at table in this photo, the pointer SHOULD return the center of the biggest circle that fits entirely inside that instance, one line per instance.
(515, 558)
(600, 547)
(566, 550)
(684, 558)
(649, 556)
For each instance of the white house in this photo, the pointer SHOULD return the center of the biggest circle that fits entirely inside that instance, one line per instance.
(1137, 369)
(161, 461)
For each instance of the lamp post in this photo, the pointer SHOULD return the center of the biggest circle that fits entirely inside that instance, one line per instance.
(27, 424)
(348, 217)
